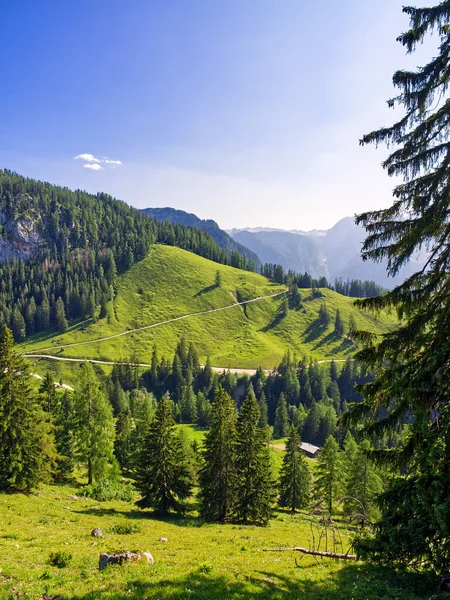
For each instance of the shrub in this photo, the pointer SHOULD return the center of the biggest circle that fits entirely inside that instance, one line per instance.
(59, 559)
(125, 529)
(109, 490)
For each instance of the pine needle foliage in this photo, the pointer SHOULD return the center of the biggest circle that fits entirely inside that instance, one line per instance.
(329, 473)
(295, 476)
(27, 448)
(281, 423)
(254, 493)
(94, 427)
(162, 474)
(218, 474)
(412, 362)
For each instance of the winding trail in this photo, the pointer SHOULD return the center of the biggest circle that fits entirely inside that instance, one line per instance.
(236, 371)
(128, 332)
(40, 353)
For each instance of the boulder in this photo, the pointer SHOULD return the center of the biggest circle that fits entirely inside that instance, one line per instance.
(121, 557)
(97, 532)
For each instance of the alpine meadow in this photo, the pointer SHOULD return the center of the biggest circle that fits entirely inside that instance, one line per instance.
(182, 416)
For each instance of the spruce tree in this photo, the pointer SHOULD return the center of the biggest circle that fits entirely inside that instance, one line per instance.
(60, 316)
(363, 486)
(281, 424)
(324, 315)
(411, 362)
(264, 417)
(27, 450)
(188, 404)
(48, 394)
(162, 473)
(329, 473)
(65, 419)
(295, 476)
(254, 492)
(203, 410)
(338, 324)
(123, 448)
(94, 427)
(218, 473)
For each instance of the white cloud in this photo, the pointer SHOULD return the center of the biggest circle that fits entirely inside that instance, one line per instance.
(88, 158)
(93, 163)
(94, 167)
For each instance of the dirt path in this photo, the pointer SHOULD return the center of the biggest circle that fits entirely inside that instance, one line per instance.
(128, 332)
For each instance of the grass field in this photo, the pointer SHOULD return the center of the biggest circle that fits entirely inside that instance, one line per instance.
(199, 561)
(171, 283)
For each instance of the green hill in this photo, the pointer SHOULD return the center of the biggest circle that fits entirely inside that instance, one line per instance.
(171, 283)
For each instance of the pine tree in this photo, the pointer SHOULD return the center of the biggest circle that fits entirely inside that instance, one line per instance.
(295, 476)
(218, 473)
(295, 299)
(26, 442)
(324, 315)
(18, 325)
(203, 410)
(60, 316)
(411, 362)
(363, 486)
(254, 491)
(338, 324)
(188, 404)
(264, 417)
(281, 424)
(64, 435)
(162, 474)
(94, 427)
(329, 473)
(123, 448)
(48, 394)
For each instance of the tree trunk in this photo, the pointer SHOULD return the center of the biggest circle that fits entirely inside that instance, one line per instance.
(316, 553)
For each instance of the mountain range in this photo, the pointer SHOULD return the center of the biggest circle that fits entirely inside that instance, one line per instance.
(333, 253)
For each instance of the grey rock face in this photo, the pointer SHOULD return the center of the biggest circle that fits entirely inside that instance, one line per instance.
(119, 558)
(21, 237)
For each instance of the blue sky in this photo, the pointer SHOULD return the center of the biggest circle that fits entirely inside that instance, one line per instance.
(245, 111)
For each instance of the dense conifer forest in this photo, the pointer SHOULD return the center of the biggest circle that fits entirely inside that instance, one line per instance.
(85, 241)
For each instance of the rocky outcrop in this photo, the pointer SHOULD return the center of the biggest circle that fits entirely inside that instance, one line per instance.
(122, 557)
(20, 237)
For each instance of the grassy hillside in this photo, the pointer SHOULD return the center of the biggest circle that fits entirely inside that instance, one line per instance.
(171, 283)
(199, 561)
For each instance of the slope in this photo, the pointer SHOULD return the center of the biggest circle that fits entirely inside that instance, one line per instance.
(171, 283)
(222, 238)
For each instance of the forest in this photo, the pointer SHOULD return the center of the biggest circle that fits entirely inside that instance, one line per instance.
(381, 420)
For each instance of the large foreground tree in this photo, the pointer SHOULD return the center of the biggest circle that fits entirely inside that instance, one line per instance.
(254, 491)
(413, 361)
(218, 473)
(162, 473)
(27, 450)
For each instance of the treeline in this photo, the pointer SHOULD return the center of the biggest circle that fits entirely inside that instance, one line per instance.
(354, 288)
(84, 242)
(102, 429)
(305, 394)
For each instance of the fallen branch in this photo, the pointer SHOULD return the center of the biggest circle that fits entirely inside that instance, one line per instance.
(315, 552)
